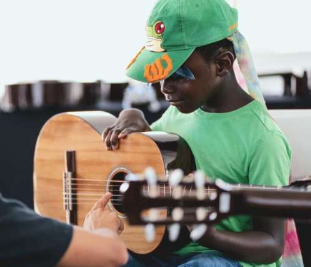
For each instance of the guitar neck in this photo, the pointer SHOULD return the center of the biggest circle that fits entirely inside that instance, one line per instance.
(284, 203)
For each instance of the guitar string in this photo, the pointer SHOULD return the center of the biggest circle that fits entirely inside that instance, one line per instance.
(97, 187)
(91, 203)
(98, 182)
(115, 197)
(162, 191)
(80, 200)
(96, 197)
(122, 181)
(79, 185)
(84, 185)
(92, 199)
(145, 192)
(167, 189)
(94, 186)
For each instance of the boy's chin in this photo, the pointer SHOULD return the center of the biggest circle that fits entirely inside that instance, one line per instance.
(185, 106)
(185, 109)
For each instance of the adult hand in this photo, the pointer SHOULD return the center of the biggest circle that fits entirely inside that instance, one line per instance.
(100, 217)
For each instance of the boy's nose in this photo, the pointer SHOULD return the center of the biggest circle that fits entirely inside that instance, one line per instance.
(167, 87)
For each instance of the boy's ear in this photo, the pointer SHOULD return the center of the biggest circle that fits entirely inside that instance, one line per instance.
(224, 63)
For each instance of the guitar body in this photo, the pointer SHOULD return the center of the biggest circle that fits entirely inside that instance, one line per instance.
(97, 170)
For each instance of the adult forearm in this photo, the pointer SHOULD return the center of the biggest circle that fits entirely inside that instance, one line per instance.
(94, 249)
(250, 246)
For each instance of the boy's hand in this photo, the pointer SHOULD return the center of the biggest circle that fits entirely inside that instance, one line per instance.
(129, 121)
(209, 234)
(98, 217)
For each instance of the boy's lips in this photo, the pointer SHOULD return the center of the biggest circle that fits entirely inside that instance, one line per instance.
(176, 102)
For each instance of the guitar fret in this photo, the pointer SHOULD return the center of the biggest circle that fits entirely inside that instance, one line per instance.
(164, 190)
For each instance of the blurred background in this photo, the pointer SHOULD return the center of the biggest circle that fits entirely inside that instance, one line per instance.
(79, 49)
(59, 55)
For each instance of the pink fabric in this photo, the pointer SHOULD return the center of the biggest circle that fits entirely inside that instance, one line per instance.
(292, 254)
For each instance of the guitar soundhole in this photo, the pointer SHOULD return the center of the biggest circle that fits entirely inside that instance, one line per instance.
(114, 188)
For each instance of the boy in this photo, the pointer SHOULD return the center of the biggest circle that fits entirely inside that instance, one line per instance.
(28, 239)
(191, 47)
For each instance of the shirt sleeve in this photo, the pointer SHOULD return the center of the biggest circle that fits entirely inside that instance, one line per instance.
(159, 125)
(27, 239)
(270, 160)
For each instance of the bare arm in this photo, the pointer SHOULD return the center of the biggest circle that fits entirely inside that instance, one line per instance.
(270, 165)
(264, 244)
(129, 121)
(101, 245)
(102, 249)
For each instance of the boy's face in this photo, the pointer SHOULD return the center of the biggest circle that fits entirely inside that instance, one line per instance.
(190, 94)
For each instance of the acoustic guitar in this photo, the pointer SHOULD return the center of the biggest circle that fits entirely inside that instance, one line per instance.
(73, 169)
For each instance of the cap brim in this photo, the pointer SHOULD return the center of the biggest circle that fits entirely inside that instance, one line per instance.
(152, 67)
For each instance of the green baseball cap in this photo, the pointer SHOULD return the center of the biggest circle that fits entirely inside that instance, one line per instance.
(174, 29)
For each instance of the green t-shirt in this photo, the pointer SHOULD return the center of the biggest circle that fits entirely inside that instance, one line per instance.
(243, 146)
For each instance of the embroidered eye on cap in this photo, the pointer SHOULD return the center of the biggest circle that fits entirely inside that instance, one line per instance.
(173, 31)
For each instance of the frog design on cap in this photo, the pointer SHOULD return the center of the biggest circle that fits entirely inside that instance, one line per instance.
(154, 37)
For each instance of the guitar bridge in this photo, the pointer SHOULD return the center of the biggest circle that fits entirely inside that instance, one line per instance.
(68, 190)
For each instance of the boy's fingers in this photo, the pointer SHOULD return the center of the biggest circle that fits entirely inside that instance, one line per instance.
(107, 140)
(124, 133)
(114, 139)
(105, 132)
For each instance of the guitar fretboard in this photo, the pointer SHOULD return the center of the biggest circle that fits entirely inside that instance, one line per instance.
(167, 191)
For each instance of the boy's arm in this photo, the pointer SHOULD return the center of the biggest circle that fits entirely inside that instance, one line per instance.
(94, 249)
(264, 244)
(269, 165)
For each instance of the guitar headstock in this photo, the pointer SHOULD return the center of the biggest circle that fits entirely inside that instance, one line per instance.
(193, 200)
(304, 184)
(180, 200)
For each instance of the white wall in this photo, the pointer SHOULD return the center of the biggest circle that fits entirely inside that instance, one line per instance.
(280, 26)
(69, 39)
(86, 40)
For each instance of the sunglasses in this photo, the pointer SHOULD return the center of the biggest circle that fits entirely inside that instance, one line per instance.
(182, 73)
